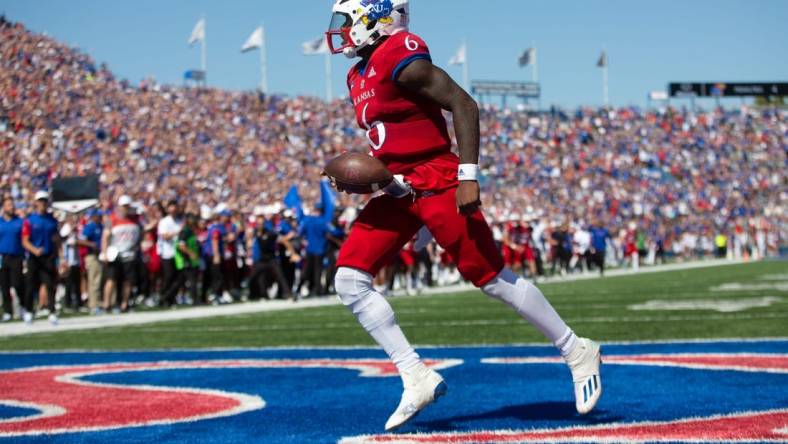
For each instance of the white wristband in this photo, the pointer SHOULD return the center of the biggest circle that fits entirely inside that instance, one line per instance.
(468, 172)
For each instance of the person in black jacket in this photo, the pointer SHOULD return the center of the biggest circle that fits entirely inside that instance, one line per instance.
(265, 245)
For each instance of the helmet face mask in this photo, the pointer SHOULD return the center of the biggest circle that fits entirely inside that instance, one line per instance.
(338, 33)
(356, 24)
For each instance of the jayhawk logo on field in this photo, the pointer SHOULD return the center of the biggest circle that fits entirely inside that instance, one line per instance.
(380, 10)
(699, 392)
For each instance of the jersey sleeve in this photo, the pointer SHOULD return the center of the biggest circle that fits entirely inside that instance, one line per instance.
(405, 49)
(26, 229)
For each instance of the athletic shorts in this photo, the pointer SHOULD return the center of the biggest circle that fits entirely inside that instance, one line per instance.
(512, 257)
(386, 224)
(528, 253)
(122, 271)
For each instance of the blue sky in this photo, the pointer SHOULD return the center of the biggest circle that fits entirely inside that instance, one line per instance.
(648, 43)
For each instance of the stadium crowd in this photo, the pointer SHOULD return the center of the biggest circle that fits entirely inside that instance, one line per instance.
(194, 181)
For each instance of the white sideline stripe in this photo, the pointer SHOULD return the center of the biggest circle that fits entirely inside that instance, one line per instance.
(664, 361)
(374, 348)
(471, 323)
(111, 321)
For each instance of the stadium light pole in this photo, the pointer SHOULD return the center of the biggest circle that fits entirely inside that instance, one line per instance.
(465, 82)
(535, 74)
(329, 88)
(263, 63)
(203, 52)
(534, 68)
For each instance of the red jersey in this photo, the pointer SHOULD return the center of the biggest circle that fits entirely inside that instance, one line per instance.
(406, 131)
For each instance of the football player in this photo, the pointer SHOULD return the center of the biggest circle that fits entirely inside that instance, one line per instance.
(399, 97)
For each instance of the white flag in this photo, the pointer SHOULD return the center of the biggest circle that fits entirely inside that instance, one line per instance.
(460, 57)
(256, 40)
(316, 46)
(527, 58)
(198, 33)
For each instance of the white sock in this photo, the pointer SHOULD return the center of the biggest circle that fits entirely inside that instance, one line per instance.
(376, 316)
(530, 303)
(566, 343)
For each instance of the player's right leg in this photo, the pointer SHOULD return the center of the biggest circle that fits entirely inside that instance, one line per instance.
(470, 243)
(383, 227)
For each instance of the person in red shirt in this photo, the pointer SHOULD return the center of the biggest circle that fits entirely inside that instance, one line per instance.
(512, 250)
(399, 98)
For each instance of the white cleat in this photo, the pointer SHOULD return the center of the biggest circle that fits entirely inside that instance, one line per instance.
(584, 363)
(53, 319)
(422, 387)
(27, 317)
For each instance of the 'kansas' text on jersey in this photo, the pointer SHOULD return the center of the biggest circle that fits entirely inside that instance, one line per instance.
(405, 131)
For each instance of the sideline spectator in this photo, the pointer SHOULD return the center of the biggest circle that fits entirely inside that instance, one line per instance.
(169, 228)
(599, 238)
(265, 246)
(187, 258)
(90, 239)
(70, 264)
(121, 244)
(315, 229)
(40, 239)
(11, 258)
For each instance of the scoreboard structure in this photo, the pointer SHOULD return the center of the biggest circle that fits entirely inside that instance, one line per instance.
(728, 89)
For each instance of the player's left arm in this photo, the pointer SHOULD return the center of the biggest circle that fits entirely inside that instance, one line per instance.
(426, 79)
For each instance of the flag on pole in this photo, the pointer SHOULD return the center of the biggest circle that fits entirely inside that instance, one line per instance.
(527, 58)
(255, 41)
(315, 47)
(602, 62)
(198, 33)
(461, 57)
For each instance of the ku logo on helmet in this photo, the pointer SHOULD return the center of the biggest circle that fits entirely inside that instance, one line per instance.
(379, 10)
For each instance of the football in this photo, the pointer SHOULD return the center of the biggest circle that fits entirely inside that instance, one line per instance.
(358, 173)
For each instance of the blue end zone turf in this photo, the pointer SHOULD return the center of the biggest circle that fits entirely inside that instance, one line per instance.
(320, 395)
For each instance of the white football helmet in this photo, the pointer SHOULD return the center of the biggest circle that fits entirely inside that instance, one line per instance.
(356, 24)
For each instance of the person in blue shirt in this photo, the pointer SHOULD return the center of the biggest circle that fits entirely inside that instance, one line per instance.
(336, 237)
(599, 238)
(90, 239)
(11, 257)
(314, 229)
(41, 240)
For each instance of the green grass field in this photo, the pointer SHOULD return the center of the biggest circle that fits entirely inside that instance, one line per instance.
(595, 308)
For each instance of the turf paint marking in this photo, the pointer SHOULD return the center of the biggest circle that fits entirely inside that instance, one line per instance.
(738, 427)
(68, 403)
(738, 286)
(774, 277)
(720, 305)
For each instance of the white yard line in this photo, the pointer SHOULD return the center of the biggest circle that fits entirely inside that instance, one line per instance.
(95, 322)
(701, 341)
